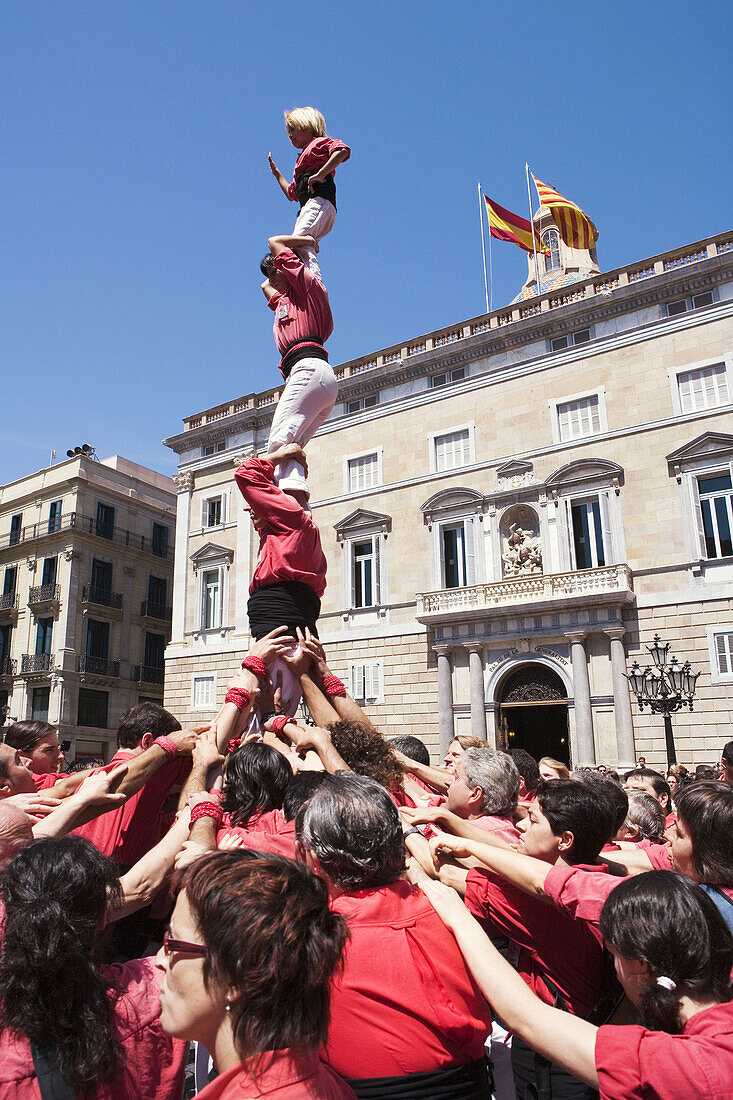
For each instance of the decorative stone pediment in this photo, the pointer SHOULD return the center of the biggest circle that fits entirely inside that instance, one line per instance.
(515, 474)
(586, 469)
(212, 554)
(451, 501)
(362, 522)
(707, 445)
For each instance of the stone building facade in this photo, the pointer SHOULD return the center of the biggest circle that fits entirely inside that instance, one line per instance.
(86, 568)
(511, 508)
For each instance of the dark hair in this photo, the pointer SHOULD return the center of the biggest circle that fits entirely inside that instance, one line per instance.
(351, 824)
(144, 718)
(573, 806)
(85, 764)
(727, 753)
(527, 767)
(707, 811)
(255, 781)
(301, 787)
(24, 736)
(267, 265)
(666, 921)
(610, 790)
(56, 893)
(704, 773)
(411, 747)
(366, 752)
(273, 940)
(659, 783)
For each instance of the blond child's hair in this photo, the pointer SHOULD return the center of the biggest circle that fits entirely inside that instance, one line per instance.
(306, 118)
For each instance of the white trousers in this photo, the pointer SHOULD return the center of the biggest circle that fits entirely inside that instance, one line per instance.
(315, 219)
(306, 402)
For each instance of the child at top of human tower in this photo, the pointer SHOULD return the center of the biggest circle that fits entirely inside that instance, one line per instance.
(313, 184)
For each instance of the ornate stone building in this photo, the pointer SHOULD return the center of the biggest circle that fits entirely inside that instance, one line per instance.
(86, 564)
(511, 508)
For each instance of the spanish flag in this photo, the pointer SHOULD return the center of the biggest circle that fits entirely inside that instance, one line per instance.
(506, 226)
(575, 227)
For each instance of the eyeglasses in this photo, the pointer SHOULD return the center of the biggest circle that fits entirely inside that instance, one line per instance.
(182, 947)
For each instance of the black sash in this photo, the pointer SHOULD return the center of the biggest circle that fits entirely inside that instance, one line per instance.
(310, 347)
(324, 190)
(469, 1082)
(287, 603)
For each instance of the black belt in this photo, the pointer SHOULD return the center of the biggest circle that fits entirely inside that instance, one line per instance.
(285, 603)
(310, 347)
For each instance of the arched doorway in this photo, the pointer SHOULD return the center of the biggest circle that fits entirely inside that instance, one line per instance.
(532, 712)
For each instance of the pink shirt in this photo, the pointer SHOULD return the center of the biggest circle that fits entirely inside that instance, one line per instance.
(581, 891)
(280, 1075)
(502, 827)
(636, 1064)
(313, 157)
(153, 1060)
(269, 833)
(303, 310)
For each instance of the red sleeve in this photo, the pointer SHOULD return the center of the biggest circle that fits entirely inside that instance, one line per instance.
(660, 855)
(617, 1061)
(581, 894)
(43, 782)
(292, 191)
(636, 1063)
(282, 513)
(326, 146)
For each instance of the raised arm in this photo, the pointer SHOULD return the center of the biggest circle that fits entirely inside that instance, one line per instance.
(439, 778)
(452, 823)
(144, 879)
(524, 871)
(93, 798)
(305, 738)
(559, 1036)
(141, 768)
(280, 179)
(338, 699)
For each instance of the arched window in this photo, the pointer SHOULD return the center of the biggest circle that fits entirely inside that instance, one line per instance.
(551, 240)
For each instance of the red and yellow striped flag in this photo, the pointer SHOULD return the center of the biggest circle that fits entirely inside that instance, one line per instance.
(575, 227)
(506, 226)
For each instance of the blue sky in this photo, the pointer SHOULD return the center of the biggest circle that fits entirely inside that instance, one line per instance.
(137, 200)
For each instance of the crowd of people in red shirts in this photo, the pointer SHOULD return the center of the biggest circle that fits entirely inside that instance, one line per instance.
(279, 909)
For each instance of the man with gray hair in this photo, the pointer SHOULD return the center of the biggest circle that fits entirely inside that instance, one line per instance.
(484, 790)
(406, 1015)
(15, 832)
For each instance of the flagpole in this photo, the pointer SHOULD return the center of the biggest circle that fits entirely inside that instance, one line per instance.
(531, 223)
(483, 247)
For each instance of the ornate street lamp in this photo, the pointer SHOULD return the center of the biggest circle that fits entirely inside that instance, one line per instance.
(665, 688)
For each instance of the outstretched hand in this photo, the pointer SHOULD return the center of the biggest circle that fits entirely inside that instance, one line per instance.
(273, 167)
(98, 789)
(312, 646)
(272, 645)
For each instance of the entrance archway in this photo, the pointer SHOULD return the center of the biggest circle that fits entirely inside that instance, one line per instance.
(532, 712)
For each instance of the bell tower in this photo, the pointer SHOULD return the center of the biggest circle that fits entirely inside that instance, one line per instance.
(563, 265)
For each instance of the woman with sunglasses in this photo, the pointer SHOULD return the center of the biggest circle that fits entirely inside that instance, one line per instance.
(83, 1029)
(247, 967)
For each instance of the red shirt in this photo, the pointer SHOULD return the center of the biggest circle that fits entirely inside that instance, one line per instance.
(153, 1060)
(280, 1075)
(405, 1001)
(269, 833)
(502, 827)
(132, 829)
(303, 310)
(552, 945)
(660, 855)
(636, 1064)
(290, 549)
(48, 779)
(313, 157)
(581, 892)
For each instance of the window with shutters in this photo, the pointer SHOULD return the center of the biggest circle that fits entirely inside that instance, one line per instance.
(452, 450)
(578, 416)
(715, 493)
(457, 554)
(365, 572)
(363, 471)
(701, 386)
(362, 536)
(589, 516)
(211, 586)
(365, 681)
(213, 511)
(720, 647)
(203, 692)
(588, 540)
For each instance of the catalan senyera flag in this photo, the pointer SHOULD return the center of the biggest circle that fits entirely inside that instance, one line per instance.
(575, 227)
(506, 226)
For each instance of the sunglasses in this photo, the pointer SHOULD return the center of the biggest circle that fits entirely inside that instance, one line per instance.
(182, 947)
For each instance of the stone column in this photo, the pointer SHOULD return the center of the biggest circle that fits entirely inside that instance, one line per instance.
(69, 568)
(242, 561)
(476, 674)
(445, 699)
(621, 701)
(180, 563)
(584, 749)
(128, 572)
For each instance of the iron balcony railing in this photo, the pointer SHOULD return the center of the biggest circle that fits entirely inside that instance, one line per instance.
(88, 525)
(98, 666)
(44, 593)
(7, 666)
(36, 662)
(148, 674)
(151, 610)
(103, 597)
(8, 601)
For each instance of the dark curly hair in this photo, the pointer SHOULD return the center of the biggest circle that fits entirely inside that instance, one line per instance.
(366, 753)
(56, 893)
(256, 780)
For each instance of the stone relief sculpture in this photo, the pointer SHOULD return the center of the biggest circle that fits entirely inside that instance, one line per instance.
(521, 545)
